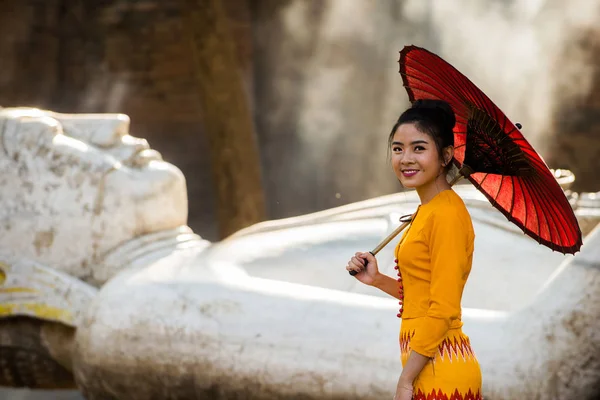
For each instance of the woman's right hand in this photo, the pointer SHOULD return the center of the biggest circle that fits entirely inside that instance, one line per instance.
(367, 275)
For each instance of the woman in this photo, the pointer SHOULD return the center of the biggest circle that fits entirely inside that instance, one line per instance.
(434, 259)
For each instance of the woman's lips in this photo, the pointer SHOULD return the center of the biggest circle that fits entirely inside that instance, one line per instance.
(409, 172)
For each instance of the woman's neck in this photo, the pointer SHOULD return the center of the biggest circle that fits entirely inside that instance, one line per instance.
(429, 190)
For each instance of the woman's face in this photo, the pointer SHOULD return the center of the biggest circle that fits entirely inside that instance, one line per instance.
(415, 157)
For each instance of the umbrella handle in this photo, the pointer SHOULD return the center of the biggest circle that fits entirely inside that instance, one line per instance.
(405, 223)
(386, 241)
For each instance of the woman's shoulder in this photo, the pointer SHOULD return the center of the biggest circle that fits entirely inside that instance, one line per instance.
(450, 208)
(448, 200)
(450, 216)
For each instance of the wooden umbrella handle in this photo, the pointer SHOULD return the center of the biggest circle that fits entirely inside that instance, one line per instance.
(386, 240)
(399, 229)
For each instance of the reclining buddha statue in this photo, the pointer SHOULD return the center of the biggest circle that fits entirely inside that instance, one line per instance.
(104, 288)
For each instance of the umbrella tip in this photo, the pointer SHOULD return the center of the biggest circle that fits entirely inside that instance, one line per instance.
(518, 125)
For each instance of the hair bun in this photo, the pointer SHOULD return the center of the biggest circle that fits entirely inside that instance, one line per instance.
(441, 108)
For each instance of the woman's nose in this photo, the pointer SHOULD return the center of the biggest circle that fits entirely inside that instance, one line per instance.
(407, 159)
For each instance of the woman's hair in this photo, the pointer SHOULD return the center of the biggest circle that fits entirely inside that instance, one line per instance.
(432, 117)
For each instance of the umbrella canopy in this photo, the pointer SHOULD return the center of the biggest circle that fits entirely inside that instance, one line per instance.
(493, 154)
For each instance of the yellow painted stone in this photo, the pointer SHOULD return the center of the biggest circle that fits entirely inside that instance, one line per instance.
(3, 267)
(42, 311)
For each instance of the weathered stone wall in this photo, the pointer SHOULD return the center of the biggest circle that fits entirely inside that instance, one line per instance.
(113, 56)
(576, 123)
(322, 75)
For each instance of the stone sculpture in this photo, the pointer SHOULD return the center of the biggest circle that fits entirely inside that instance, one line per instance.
(103, 286)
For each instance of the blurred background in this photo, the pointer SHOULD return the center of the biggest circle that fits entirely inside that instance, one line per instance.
(308, 89)
(275, 108)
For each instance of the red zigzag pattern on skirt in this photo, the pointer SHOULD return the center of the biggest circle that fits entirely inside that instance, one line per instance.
(449, 348)
(452, 348)
(441, 396)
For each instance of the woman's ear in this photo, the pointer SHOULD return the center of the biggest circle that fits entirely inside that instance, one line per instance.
(447, 154)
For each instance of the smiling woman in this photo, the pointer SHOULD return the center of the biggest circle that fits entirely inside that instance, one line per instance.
(433, 260)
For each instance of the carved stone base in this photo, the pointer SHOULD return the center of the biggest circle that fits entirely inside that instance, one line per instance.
(28, 354)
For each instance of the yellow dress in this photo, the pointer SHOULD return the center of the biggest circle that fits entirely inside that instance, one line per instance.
(434, 258)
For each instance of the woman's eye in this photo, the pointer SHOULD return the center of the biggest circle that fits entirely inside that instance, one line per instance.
(419, 148)
(396, 149)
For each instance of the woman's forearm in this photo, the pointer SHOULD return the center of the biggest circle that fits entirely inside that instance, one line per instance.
(413, 367)
(387, 284)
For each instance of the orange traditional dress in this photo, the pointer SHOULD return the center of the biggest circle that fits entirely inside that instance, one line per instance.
(434, 259)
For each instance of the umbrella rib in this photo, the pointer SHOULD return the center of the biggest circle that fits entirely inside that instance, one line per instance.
(555, 215)
(432, 91)
(438, 90)
(513, 129)
(495, 196)
(512, 202)
(565, 221)
(530, 232)
(527, 231)
(409, 60)
(541, 200)
(472, 89)
(495, 114)
(552, 229)
(499, 187)
(485, 102)
(515, 133)
(482, 182)
(506, 213)
(534, 158)
(535, 194)
(457, 81)
(552, 190)
(562, 202)
(555, 190)
(437, 59)
(429, 71)
(490, 129)
(527, 216)
(461, 119)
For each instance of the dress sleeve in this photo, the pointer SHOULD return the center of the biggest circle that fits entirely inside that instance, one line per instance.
(450, 248)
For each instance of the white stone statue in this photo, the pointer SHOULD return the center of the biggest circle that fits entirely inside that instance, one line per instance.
(95, 250)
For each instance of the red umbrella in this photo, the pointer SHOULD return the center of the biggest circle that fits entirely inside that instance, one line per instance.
(493, 154)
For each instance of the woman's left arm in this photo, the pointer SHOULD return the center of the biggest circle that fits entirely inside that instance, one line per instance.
(416, 362)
